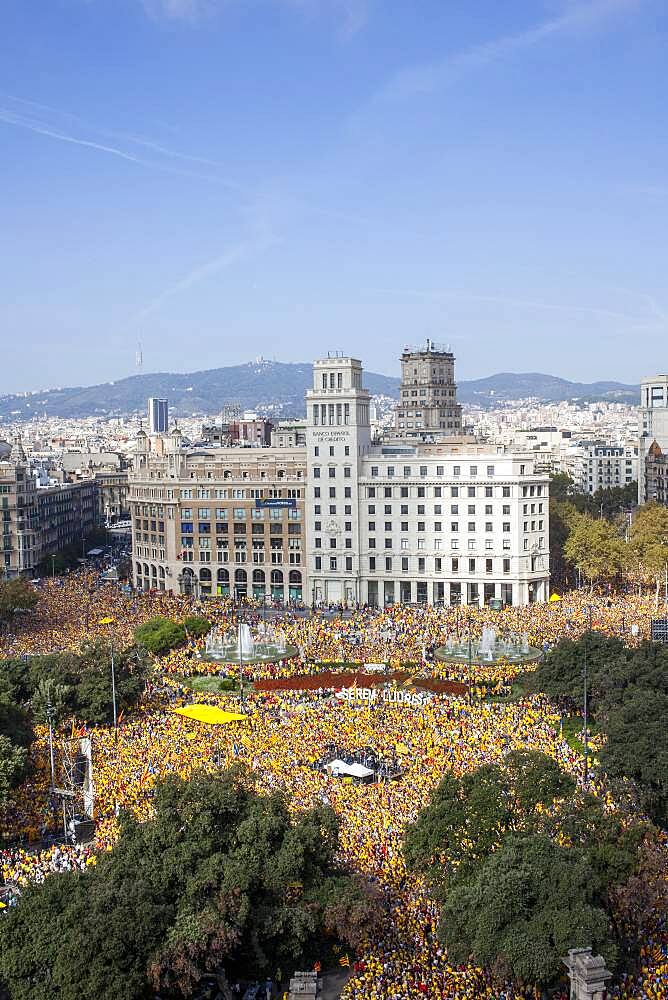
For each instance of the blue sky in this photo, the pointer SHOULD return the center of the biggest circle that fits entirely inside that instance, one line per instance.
(222, 179)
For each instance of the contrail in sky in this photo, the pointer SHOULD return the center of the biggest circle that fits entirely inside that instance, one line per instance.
(11, 117)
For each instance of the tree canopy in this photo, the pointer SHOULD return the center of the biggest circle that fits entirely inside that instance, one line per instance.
(567, 508)
(525, 867)
(80, 682)
(627, 696)
(595, 548)
(15, 738)
(16, 595)
(520, 912)
(159, 635)
(222, 880)
(648, 541)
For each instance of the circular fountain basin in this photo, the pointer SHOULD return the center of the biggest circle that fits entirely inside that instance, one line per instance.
(459, 653)
(268, 652)
(242, 645)
(489, 649)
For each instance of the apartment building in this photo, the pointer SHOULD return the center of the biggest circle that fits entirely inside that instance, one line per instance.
(219, 521)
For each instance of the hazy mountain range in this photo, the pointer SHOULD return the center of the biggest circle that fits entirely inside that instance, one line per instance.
(279, 387)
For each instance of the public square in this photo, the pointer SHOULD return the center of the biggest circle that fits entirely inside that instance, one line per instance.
(288, 728)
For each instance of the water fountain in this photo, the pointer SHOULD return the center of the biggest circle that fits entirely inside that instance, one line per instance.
(488, 649)
(242, 645)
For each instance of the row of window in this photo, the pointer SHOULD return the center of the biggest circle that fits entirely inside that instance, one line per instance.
(472, 526)
(209, 493)
(240, 528)
(239, 513)
(390, 471)
(436, 543)
(332, 469)
(332, 414)
(454, 508)
(455, 564)
(437, 491)
(240, 557)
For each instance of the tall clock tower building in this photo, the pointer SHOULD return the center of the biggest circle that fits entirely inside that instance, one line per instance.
(338, 436)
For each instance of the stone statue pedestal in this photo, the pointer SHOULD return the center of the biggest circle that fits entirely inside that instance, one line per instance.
(587, 973)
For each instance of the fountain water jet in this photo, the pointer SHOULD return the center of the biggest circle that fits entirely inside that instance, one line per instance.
(242, 645)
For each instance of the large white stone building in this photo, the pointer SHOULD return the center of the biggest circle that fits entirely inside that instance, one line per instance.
(342, 519)
(453, 522)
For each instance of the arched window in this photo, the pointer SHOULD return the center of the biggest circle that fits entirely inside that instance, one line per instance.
(258, 576)
(277, 589)
(223, 576)
(240, 576)
(204, 573)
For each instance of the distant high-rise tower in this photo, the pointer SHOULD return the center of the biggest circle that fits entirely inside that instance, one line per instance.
(158, 416)
(428, 406)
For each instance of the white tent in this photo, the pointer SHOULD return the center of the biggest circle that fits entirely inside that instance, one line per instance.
(339, 769)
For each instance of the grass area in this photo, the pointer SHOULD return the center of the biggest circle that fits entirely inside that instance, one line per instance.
(210, 685)
(572, 732)
(518, 690)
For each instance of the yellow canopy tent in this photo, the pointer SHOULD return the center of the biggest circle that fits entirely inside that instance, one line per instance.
(209, 714)
(554, 598)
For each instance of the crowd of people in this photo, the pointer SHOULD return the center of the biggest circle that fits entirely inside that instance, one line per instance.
(284, 734)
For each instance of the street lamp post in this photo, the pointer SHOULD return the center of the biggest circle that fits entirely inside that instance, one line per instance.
(586, 702)
(241, 656)
(470, 661)
(111, 621)
(50, 716)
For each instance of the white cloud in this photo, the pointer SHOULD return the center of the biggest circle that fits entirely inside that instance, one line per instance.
(185, 10)
(351, 15)
(429, 77)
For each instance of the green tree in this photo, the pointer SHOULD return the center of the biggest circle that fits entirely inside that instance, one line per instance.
(521, 863)
(12, 765)
(468, 817)
(92, 689)
(196, 626)
(221, 881)
(517, 915)
(561, 672)
(159, 635)
(16, 595)
(615, 500)
(80, 682)
(49, 695)
(562, 516)
(648, 541)
(596, 549)
(15, 737)
(637, 748)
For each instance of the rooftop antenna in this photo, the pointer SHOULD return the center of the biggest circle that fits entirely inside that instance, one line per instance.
(139, 357)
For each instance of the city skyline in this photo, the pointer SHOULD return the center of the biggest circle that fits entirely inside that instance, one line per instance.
(218, 181)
